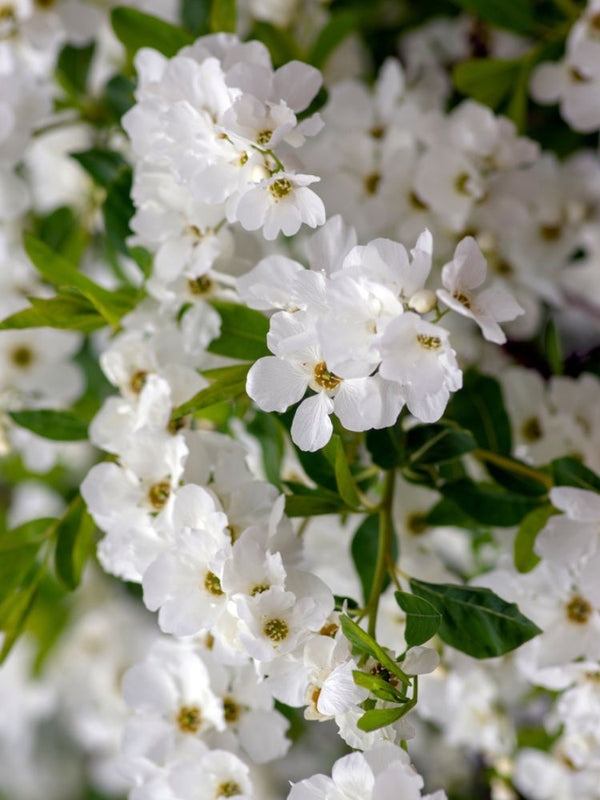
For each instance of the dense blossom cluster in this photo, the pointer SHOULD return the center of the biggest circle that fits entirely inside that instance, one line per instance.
(306, 496)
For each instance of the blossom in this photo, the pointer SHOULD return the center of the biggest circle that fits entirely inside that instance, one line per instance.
(466, 272)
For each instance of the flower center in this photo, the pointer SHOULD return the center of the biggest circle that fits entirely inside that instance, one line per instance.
(416, 524)
(460, 184)
(276, 629)
(325, 378)
(462, 298)
(259, 589)
(577, 76)
(372, 182)
(416, 202)
(377, 132)
(330, 629)
(579, 610)
(200, 285)
(159, 494)
(228, 789)
(550, 233)
(231, 710)
(264, 137)
(138, 379)
(531, 430)
(189, 719)
(280, 188)
(384, 674)
(22, 356)
(212, 584)
(429, 342)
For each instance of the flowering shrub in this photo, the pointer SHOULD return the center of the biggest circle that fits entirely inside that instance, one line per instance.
(299, 400)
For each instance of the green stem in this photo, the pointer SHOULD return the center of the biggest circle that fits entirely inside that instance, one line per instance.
(513, 466)
(384, 549)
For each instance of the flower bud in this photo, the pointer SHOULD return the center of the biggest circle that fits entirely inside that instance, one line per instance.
(422, 301)
(259, 173)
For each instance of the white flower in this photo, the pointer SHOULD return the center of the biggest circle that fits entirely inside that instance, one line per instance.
(171, 695)
(417, 354)
(276, 621)
(215, 774)
(466, 272)
(281, 202)
(383, 773)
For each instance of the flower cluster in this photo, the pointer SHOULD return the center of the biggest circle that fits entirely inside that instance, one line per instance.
(359, 329)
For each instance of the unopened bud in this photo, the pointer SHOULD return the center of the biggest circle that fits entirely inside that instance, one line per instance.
(259, 173)
(422, 301)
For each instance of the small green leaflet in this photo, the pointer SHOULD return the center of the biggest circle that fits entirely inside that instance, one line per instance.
(434, 444)
(381, 717)
(488, 504)
(523, 548)
(479, 408)
(243, 332)
(65, 312)
(571, 472)
(475, 620)
(422, 618)
(60, 272)
(223, 16)
(366, 644)
(74, 534)
(60, 426)
(135, 29)
(228, 383)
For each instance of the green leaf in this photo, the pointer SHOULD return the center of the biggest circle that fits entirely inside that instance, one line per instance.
(525, 557)
(479, 408)
(488, 504)
(72, 68)
(230, 383)
(378, 687)
(434, 444)
(74, 533)
(60, 426)
(475, 620)
(119, 95)
(101, 164)
(63, 233)
(63, 274)
(366, 644)
(15, 564)
(135, 29)
(65, 312)
(512, 15)
(422, 618)
(446, 512)
(269, 433)
(513, 479)
(195, 16)
(343, 476)
(223, 16)
(364, 549)
(15, 609)
(312, 502)
(571, 472)
(341, 25)
(380, 718)
(386, 447)
(487, 80)
(118, 209)
(34, 532)
(243, 332)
